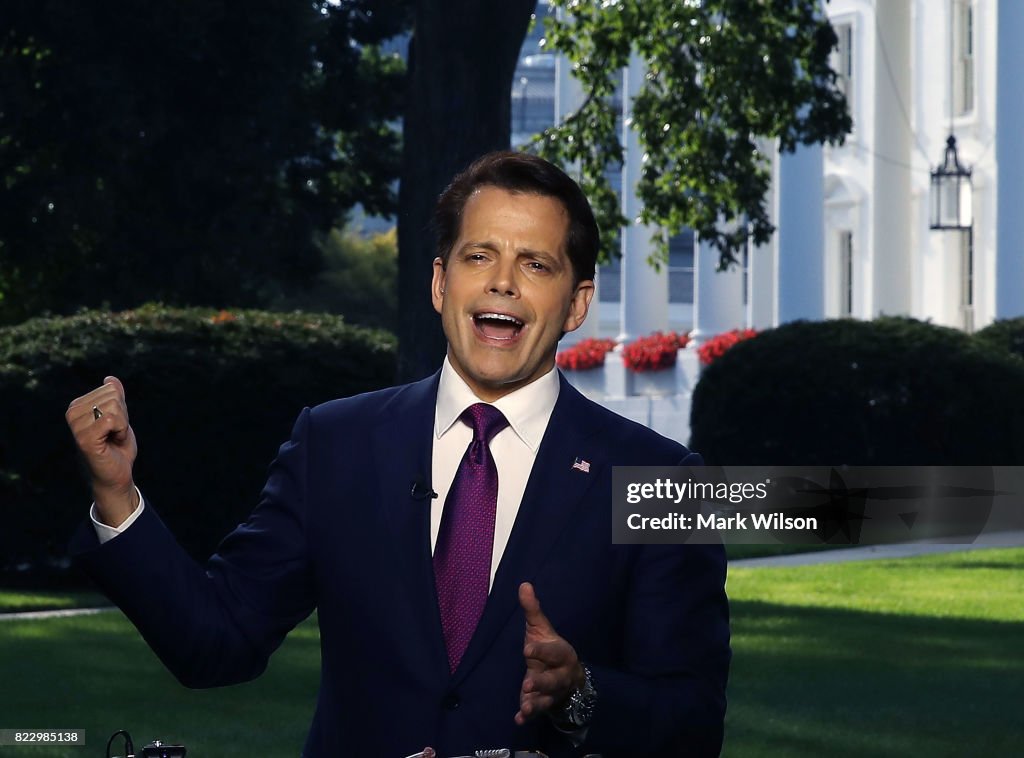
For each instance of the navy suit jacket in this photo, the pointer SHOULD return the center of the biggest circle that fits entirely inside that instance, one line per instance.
(337, 530)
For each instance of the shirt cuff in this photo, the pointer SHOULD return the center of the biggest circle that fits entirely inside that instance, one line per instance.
(105, 533)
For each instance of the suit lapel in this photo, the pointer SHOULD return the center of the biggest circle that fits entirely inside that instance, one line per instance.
(402, 445)
(553, 494)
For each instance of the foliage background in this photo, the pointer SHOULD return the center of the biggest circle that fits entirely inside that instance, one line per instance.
(187, 152)
(211, 396)
(888, 392)
(358, 280)
(1005, 334)
(723, 80)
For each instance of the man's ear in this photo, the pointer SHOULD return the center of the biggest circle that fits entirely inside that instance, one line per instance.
(579, 306)
(437, 285)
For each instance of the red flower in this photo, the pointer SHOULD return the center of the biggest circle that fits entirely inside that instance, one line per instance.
(717, 345)
(585, 354)
(655, 352)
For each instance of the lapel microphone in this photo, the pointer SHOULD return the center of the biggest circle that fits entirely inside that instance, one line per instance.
(420, 491)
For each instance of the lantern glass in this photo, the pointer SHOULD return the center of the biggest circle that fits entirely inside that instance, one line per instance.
(951, 192)
(966, 211)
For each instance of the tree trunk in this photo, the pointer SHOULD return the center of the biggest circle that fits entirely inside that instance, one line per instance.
(461, 61)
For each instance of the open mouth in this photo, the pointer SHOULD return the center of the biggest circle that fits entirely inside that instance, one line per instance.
(498, 326)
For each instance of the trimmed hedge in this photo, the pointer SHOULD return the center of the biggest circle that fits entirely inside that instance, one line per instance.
(892, 391)
(211, 397)
(1007, 334)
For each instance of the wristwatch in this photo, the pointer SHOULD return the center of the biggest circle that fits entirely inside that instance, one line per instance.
(578, 710)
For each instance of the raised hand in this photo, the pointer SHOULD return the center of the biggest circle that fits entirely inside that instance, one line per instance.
(552, 668)
(99, 423)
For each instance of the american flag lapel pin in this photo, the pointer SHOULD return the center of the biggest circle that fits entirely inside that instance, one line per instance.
(582, 465)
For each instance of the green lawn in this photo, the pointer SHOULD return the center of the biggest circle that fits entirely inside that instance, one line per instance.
(916, 656)
(96, 673)
(11, 600)
(738, 552)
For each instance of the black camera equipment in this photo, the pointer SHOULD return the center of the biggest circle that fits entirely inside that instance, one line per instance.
(155, 749)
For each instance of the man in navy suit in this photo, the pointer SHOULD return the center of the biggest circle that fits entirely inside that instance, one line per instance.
(426, 522)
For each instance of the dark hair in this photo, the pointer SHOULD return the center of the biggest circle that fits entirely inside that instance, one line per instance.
(526, 174)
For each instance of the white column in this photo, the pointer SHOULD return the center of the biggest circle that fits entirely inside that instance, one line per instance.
(893, 209)
(644, 299)
(568, 98)
(801, 237)
(718, 296)
(761, 300)
(1010, 161)
(568, 90)
(761, 283)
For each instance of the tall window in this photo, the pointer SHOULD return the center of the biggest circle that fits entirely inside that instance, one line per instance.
(843, 61)
(963, 57)
(845, 274)
(680, 267)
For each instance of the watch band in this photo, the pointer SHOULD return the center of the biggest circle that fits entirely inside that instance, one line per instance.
(578, 710)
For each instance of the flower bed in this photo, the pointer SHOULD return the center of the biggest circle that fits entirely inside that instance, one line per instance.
(655, 352)
(584, 355)
(715, 347)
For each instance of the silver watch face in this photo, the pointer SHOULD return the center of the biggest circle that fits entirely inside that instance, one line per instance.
(582, 701)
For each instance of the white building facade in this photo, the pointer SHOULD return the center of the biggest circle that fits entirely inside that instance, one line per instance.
(915, 73)
(853, 235)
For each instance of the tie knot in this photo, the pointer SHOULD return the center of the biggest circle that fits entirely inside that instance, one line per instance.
(486, 421)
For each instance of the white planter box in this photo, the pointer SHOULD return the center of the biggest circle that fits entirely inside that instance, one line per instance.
(589, 382)
(652, 383)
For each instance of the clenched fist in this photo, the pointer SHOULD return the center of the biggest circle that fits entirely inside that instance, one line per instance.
(99, 422)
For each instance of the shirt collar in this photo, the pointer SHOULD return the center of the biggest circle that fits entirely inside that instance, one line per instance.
(527, 408)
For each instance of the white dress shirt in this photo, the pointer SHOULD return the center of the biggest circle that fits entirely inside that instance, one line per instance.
(514, 448)
(106, 533)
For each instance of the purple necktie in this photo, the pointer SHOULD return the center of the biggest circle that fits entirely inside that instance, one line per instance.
(462, 556)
